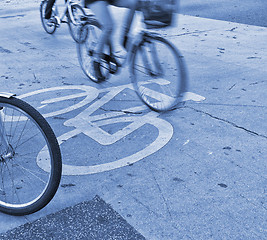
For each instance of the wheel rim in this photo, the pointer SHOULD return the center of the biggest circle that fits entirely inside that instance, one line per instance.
(49, 28)
(77, 12)
(88, 40)
(22, 182)
(158, 75)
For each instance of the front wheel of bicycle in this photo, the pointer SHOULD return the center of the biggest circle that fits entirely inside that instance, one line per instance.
(48, 27)
(158, 73)
(89, 34)
(77, 12)
(26, 139)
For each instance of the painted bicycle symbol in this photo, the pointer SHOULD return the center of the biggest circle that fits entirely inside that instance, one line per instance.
(90, 123)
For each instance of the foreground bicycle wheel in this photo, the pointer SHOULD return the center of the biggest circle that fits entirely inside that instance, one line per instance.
(26, 138)
(158, 73)
(89, 34)
(77, 12)
(48, 27)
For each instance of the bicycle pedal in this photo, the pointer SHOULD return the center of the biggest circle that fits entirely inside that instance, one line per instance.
(90, 53)
(52, 22)
(84, 18)
(58, 21)
(113, 68)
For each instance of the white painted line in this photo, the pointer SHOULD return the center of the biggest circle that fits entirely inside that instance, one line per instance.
(89, 123)
(193, 96)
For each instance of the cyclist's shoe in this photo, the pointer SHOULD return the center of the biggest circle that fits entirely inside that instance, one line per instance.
(98, 73)
(52, 21)
(114, 65)
(120, 53)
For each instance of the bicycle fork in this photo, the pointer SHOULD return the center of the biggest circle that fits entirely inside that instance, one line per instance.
(67, 10)
(151, 60)
(6, 150)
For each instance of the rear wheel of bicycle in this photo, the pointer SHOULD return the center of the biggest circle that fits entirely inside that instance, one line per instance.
(158, 73)
(26, 139)
(89, 35)
(77, 12)
(48, 27)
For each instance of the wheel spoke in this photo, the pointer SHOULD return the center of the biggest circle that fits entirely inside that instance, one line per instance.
(23, 183)
(158, 74)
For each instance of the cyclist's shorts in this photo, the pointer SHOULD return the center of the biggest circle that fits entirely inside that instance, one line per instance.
(92, 1)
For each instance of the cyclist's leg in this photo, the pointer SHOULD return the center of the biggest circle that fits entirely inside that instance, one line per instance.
(48, 9)
(132, 5)
(102, 13)
(100, 9)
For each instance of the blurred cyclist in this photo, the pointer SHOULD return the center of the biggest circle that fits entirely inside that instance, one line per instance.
(102, 13)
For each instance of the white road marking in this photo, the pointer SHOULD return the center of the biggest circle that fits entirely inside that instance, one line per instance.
(88, 123)
(193, 96)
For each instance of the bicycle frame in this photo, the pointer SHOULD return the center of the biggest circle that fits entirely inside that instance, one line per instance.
(67, 8)
(139, 35)
(9, 152)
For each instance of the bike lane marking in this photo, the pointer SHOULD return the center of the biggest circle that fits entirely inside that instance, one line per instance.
(164, 135)
(90, 125)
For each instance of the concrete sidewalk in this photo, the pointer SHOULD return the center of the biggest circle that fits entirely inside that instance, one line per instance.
(209, 181)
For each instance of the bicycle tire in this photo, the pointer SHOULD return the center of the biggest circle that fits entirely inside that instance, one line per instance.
(158, 64)
(74, 27)
(88, 40)
(24, 187)
(50, 29)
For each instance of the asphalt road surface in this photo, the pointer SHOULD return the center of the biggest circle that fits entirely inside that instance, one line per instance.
(252, 12)
(198, 172)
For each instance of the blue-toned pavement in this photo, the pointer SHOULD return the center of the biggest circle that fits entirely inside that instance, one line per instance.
(198, 172)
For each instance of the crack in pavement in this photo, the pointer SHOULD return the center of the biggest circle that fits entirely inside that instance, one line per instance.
(230, 105)
(123, 111)
(190, 33)
(251, 202)
(227, 121)
(20, 15)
